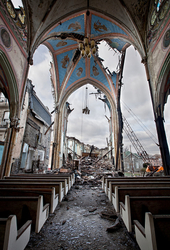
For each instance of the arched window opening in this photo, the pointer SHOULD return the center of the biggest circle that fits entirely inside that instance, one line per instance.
(137, 109)
(37, 138)
(91, 129)
(167, 120)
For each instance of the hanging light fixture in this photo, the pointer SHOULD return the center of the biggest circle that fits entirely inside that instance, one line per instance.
(87, 47)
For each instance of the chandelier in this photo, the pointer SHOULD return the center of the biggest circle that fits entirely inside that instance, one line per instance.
(87, 47)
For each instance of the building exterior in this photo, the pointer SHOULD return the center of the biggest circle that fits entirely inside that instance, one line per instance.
(132, 162)
(155, 160)
(34, 136)
(75, 149)
(4, 122)
(4, 117)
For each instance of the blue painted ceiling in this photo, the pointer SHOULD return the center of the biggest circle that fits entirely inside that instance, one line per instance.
(63, 40)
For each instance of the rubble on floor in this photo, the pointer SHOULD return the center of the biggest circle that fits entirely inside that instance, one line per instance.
(88, 170)
(90, 223)
(91, 170)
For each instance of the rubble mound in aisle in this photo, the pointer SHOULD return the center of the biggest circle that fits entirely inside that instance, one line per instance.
(90, 170)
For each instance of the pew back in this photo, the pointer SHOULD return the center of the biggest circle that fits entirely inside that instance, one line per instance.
(21, 184)
(120, 192)
(48, 194)
(135, 208)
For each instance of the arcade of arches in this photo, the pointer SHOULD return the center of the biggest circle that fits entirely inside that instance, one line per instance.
(72, 31)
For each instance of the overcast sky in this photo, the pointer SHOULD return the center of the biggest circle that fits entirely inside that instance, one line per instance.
(93, 128)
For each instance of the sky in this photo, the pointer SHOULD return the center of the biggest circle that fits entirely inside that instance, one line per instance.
(93, 128)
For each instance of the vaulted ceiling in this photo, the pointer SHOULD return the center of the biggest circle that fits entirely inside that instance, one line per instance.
(63, 38)
(131, 15)
(61, 25)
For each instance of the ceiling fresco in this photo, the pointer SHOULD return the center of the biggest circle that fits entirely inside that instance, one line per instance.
(78, 73)
(63, 61)
(63, 41)
(75, 24)
(102, 26)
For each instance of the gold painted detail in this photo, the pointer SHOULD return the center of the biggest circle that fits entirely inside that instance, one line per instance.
(79, 71)
(22, 16)
(75, 26)
(95, 71)
(153, 17)
(65, 62)
(61, 43)
(10, 9)
(99, 27)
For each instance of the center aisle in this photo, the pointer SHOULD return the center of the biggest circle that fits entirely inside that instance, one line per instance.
(78, 223)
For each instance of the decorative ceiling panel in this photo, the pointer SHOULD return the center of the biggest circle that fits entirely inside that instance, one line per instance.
(102, 26)
(97, 73)
(63, 61)
(78, 73)
(59, 44)
(75, 25)
(117, 43)
(63, 41)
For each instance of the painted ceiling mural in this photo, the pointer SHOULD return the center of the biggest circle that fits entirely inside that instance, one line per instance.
(63, 41)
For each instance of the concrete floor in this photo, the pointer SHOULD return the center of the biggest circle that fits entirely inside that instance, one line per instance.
(77, 224)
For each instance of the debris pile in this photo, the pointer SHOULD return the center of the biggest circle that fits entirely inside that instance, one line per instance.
(89, 170)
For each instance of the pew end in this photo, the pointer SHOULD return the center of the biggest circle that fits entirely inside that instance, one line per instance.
(13, 238)
(146, 237)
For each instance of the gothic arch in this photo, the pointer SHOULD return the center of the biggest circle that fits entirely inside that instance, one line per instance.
(164, 83)
(10, 85)
(59, 115)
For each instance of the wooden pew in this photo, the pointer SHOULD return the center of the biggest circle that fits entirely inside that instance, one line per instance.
(135, 208)
(10, 237)
(43, 178)
(105, 184)
(120, 192)
(133, 179)
(39, 180)
(155, 234)
(33, 184)
(58, 175)
(72, 177)
(49, 195)
(146, 183)
(25, 208)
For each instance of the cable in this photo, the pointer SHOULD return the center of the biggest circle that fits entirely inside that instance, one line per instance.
(82, 114)
(142, 125)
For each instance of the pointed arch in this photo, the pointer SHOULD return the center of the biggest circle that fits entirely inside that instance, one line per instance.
(10, 86)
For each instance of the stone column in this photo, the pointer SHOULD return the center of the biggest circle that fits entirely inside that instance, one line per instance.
(163, 143)
(164, 149)
(11, 142)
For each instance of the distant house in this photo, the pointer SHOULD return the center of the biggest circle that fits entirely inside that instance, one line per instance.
(4, 116)
(34, 136)
(74, 147)
(4, 122)
(132, 162)
(156, 160)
